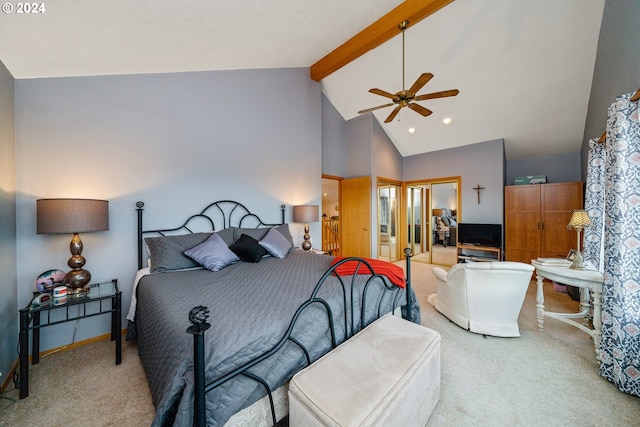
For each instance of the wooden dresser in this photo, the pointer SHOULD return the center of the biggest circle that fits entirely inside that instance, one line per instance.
(536, 218)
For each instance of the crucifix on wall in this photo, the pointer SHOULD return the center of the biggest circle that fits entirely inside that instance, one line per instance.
(478, 188)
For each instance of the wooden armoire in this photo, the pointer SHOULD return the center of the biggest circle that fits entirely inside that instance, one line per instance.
(536, 218)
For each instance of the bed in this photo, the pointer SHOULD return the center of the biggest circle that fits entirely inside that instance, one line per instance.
(254, 324)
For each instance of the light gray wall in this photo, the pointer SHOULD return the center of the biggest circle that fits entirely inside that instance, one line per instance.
(8, 268)
(477, 164)
(617, 68)
(564, 167)
(176, 141)
(359, 146)
(334, 161)
(387, 161)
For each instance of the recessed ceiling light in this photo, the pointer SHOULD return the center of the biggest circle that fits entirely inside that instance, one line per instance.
(446, 120)
(412, 130)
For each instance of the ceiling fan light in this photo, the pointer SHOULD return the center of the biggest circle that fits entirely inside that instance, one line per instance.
(446, 120)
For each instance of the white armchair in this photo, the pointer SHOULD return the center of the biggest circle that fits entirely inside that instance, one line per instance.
(484, 297)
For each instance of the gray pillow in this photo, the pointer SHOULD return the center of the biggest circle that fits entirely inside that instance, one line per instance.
(256, 233)
(275, 243)
(213, 254)
(166, 252)
(227, 235)
(259, 233)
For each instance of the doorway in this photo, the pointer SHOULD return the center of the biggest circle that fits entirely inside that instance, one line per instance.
(433, 211)
(389, 193)
(331, 230)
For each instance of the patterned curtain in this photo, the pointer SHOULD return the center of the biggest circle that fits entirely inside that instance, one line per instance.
(594, 204)
(619, 203)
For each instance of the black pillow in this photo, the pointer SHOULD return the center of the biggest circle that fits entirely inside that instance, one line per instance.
(248, 249)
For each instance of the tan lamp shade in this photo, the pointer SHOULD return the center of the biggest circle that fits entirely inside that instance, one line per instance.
(579, 219)
(306, 214)
(55, 216)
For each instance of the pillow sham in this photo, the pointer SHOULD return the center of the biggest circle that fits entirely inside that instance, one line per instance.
(213, 254)
(227, 235)
(166, 252)
(248, 249)
(452, 222)
(259, 233)
(275, 243)
(445, 220)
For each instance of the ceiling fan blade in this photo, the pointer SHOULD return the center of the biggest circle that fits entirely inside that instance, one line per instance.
(393, 114)
(442, 94)
(375, 108)
(420, 109)
(422, 80)
(382, 93)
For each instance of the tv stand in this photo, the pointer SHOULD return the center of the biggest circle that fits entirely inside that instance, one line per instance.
(478, 253)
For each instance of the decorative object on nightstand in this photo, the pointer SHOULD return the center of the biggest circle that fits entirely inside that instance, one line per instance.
(50, 279)
(306, 214)
(579, 220)
(55, 216)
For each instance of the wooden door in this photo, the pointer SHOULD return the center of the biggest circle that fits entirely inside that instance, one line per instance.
(355, 213)
(557, 202)
(522, 222)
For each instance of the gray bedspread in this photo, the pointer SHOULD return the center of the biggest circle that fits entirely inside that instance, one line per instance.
(251, 306)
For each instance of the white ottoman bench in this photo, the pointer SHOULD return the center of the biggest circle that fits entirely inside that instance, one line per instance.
(386, 375)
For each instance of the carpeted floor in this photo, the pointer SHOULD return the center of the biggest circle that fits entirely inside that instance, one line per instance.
(539, 379)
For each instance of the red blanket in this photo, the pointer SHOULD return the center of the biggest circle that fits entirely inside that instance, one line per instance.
(394, 273)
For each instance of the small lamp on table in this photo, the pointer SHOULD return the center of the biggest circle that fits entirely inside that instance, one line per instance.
(55, 216)
(306, 214)
(579, 220)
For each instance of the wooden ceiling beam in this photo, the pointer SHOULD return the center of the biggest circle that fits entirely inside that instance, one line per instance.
(375, 34)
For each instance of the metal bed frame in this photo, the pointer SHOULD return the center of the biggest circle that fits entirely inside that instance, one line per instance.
(227, 210)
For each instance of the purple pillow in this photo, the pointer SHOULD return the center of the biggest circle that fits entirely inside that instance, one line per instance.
(213, 254)
(275, 243)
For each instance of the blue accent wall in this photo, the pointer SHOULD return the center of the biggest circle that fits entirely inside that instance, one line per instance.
(175, 141)
(8, 268)
(617, 68)
(557, 168)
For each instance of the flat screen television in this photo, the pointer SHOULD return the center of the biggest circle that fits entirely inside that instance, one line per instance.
(480, 234)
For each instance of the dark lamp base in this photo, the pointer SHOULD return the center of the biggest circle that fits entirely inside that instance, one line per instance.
(77, 278)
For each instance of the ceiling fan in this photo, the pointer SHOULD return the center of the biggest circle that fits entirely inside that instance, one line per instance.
(407, 98)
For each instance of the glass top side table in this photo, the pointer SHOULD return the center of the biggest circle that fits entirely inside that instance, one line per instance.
(102, 298)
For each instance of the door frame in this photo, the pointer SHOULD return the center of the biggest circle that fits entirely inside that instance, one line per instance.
(338, 179)
(384, 182)
(427, 218)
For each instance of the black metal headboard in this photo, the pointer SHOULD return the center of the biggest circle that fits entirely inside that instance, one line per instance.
(216, 216)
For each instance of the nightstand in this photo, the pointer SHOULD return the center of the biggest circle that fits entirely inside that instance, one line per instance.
(94, 303)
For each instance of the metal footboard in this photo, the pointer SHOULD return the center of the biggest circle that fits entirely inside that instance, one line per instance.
(198, 317)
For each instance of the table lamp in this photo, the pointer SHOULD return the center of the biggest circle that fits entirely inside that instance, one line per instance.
(55, 216)
(579, 220)
(306, 214)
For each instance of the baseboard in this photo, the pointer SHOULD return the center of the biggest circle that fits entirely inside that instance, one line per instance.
(88, 341)
(9, 377)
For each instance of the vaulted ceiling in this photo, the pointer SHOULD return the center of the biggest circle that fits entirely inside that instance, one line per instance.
(523, 67)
